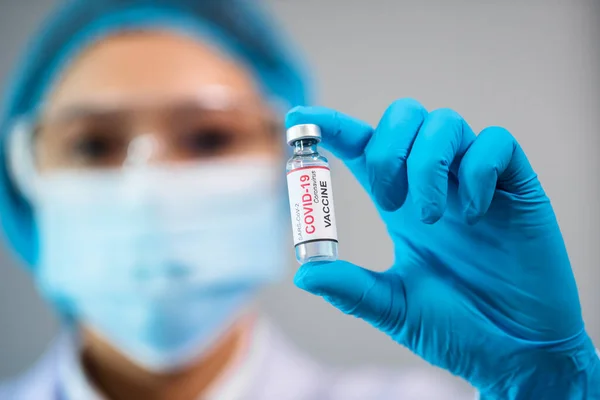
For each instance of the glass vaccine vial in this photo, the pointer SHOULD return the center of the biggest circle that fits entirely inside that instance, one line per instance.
(311, 200)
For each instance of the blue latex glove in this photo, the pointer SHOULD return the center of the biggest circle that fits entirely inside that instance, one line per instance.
(481, 284)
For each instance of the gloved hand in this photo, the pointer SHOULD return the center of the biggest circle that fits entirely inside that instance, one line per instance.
(481, 284)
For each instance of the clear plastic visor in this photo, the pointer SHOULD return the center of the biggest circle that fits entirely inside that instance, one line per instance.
(207, 127)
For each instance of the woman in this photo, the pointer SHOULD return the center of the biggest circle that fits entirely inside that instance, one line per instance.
(137, 136)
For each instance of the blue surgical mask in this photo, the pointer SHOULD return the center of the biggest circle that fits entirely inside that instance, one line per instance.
(160, 260)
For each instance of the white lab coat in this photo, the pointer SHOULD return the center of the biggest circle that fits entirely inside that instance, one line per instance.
(273, 369)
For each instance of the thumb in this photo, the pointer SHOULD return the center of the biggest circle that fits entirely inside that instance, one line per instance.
(376, 297)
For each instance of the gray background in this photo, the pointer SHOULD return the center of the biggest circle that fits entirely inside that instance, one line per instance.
(531, 66)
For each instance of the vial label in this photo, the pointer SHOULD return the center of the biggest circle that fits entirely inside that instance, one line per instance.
(311, 204)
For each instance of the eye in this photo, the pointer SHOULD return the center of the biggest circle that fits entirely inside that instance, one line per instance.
(208, 141)
(94, 148)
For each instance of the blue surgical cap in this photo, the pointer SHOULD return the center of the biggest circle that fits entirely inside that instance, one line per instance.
(241, 28)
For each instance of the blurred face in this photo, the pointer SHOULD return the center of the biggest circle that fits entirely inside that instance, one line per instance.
(157, 260)
(169, 98)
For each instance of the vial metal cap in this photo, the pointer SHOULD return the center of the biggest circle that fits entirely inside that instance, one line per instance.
(303, 131)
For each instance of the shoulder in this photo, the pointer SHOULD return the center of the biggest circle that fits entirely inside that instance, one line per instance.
(407, 383)
(39, 382)
(287, 371)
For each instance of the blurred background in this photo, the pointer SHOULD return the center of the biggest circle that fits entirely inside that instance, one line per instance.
(532, 67)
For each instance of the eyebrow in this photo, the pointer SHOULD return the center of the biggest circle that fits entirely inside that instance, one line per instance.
(215, 100)
(81, 111)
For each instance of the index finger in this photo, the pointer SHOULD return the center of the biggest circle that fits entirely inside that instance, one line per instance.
(346, 137)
